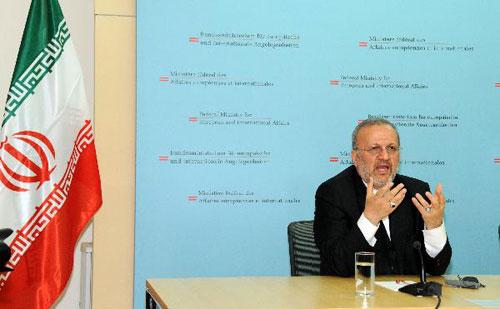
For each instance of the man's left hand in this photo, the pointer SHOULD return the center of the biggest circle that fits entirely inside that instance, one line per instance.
(432, 212)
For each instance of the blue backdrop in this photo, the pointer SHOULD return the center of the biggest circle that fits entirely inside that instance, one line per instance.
(244, 108)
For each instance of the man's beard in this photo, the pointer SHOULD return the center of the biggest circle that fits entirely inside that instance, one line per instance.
(365, 174)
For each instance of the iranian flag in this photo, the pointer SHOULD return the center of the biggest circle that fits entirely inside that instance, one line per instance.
(49, 179)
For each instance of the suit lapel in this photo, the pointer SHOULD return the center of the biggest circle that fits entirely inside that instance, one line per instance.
(360, 189)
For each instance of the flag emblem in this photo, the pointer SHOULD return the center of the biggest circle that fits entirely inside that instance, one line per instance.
(33, 160)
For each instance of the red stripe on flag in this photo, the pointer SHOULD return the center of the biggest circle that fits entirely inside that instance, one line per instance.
(45, 267)
(497, 84)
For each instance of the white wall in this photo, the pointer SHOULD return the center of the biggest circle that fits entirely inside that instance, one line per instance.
(80, 18)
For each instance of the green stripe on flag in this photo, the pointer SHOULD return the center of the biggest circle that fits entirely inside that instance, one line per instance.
(43, 40)
(41, 25)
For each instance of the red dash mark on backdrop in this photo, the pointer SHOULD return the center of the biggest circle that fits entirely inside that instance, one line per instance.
(164, 79)
(193, 119)
(163, 158)
(334, 159)
(497, 84)
(334, 82)
(192, 198)
(193, 39)
(363, 44)
(497, 160)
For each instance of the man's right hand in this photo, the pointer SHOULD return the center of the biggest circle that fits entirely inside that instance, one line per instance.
(384, 202)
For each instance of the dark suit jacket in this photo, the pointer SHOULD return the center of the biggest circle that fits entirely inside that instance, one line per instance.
(340, 201)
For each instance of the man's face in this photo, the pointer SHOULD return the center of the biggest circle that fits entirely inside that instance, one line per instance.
(374, 157)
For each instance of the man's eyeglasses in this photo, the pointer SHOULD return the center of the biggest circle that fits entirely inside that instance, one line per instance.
(376, 150)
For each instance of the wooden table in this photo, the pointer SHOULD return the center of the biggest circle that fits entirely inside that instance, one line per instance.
(304, 292)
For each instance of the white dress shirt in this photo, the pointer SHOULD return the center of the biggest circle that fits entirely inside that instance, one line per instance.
(434, 239)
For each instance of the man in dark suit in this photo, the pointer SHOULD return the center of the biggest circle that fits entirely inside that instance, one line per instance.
(369, 207)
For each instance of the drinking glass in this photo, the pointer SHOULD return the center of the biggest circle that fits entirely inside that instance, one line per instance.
(364, 273)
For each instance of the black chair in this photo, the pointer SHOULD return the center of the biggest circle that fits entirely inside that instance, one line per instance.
(4, 250)
(304, 255)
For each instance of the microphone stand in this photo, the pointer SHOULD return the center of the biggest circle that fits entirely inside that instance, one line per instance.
(422, 288)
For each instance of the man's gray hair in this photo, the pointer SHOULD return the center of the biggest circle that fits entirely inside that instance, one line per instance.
(376, 121)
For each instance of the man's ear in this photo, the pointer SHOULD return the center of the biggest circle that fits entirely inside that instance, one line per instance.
(354, 157)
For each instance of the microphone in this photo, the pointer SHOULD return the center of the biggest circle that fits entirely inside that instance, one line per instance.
(418, 246)
(423, 288)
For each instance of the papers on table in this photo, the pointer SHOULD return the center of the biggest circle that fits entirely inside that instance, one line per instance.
(394, 285)
(486, 303)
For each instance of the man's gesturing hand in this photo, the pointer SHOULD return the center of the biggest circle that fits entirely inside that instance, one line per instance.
(384, 202)
(432, 212)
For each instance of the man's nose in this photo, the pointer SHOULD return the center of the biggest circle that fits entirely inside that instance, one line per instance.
(384, 154)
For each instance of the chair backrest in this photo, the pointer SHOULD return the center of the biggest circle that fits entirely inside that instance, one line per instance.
(304, 254)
